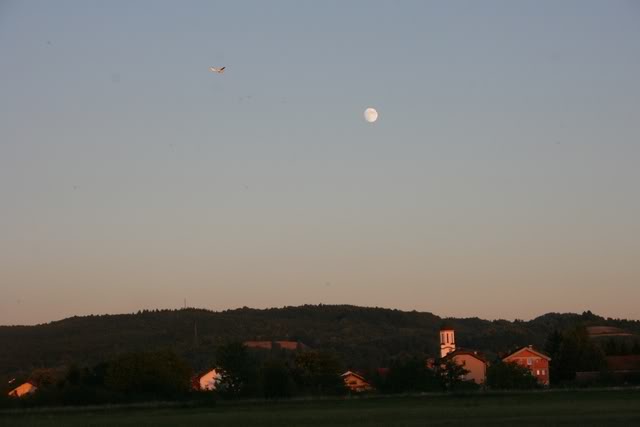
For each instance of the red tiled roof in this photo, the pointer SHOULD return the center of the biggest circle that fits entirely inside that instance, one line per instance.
(355, 374)
(461, 352)
(528, 348)
(290, 345)
(259, 344)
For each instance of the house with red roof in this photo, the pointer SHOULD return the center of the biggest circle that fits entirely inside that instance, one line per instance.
(23, 390)
(473, 361)
(536, 361)
(356, 382)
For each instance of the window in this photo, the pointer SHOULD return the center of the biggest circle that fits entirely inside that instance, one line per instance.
(537, 371)
(543, 372)
(529, 361)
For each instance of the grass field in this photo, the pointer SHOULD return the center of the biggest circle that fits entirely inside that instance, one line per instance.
(567, 408)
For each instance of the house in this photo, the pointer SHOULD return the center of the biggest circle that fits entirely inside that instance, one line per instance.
(355, 382)
(207, 381)
(537, 362)
(472, 361)
(271, 345)
(23, 390)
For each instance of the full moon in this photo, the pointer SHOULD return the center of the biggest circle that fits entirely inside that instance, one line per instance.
(370, 115)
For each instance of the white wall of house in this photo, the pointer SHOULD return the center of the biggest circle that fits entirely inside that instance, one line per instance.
(210, 380)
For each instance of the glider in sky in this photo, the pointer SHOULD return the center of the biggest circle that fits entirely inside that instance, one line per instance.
(217, 70)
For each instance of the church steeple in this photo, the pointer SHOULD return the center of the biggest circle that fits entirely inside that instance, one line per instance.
(447, 341)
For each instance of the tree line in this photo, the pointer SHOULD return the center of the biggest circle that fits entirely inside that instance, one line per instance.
(246, 373)
(150, 371)
(363, 337)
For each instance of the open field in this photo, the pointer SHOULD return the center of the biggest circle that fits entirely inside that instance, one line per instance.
(579, 408)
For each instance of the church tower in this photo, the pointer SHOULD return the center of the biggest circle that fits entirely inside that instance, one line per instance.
(447, 341)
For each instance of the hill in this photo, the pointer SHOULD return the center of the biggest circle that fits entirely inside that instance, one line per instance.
(363, 337)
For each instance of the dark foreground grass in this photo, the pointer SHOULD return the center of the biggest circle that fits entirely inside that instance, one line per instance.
(567, 408)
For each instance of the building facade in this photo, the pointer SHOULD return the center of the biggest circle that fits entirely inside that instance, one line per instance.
(534, 360)
(473, 362)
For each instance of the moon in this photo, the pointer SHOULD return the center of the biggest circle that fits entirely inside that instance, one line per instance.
(370, 115)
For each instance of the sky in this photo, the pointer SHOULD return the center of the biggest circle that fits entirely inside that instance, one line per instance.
(501, 179)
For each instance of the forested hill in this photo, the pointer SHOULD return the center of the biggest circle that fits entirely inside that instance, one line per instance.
(362, 336)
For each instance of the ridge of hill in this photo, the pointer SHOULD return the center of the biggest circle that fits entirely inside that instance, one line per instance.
(363, 336)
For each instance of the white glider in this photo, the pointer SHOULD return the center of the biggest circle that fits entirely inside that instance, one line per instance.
(217, 70)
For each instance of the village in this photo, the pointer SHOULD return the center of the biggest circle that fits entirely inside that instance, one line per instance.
(602, 355)
(472, 361)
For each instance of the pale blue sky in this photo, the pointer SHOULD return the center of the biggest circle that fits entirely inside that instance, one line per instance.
(501, 179)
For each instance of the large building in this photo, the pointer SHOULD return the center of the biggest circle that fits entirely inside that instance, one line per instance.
(472, 361)
(535, 361)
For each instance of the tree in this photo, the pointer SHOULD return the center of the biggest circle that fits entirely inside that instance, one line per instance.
(42, 378)
(552, 348)
(276, 379)
(153, 374)
(318, 372)
(510, 376)
(450, 374)
(95, 376)
(553, 343)
(236, 369)
(408, 374)
(573, 352)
